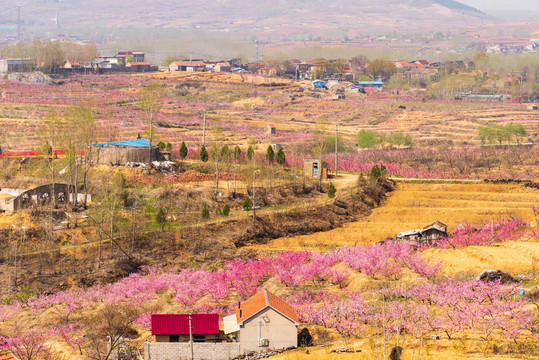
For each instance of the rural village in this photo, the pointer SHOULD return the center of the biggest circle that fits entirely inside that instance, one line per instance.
(257, 206)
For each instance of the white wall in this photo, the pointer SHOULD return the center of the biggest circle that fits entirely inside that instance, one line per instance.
(280, 331)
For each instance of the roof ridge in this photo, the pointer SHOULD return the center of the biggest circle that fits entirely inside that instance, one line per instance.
(266, 297)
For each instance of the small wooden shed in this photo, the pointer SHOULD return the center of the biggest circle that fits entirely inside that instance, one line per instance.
(436, 230)
(315, 169)
(270, 129)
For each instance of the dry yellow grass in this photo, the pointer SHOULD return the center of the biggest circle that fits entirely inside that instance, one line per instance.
(514, 256)
(210, 76)
(414, 205)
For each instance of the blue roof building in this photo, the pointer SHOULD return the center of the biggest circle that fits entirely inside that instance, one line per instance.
(319, 84)
(376, 84)
(133, 143)
(123, 152)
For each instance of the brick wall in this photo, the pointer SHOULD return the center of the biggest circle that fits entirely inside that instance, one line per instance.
(182, 351)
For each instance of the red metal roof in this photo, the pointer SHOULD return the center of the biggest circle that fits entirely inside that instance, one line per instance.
(178, 324)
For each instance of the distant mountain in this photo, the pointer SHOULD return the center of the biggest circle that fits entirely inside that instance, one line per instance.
(452, 4)
(277, 17)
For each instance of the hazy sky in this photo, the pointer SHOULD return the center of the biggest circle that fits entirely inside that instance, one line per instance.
(498, 5)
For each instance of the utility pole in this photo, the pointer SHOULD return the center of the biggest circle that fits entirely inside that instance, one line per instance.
(204, 130)
(191, 336)
(19, 22)
(336, 148)
(254, 211)
(256, 46)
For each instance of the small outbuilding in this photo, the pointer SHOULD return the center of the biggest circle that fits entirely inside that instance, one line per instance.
(187, 65)
(175, 327)
(315, 169)
(222, 67)
(436, 230)
(122, 152)
(16, 65)
(270, 130)
(338, 96)
(173, 338)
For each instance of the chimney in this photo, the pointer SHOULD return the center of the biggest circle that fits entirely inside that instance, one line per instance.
(239, 307)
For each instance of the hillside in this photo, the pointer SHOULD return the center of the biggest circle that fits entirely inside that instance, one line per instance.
(282, 18)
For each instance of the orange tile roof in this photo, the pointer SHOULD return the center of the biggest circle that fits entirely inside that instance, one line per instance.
(262, 300)
(7, 355)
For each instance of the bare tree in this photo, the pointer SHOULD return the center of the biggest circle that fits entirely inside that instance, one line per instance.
(151, 101)
(106, 328)
(78, 135)
(320, 144)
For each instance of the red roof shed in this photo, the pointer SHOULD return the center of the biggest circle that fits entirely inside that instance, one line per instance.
(178, 324)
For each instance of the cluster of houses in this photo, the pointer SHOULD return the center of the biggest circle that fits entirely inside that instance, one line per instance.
(122, 61)
(514, 48)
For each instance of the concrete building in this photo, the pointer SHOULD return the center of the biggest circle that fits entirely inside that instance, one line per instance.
(17, 199)
(262, 322)
(222, 67)
(139, 66)
(270, 129)
(194, 65)
(314, 169)
(122, 152)
(138, 56)
(16, 65)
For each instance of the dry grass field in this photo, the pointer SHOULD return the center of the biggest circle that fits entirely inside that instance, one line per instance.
(512, 256)
(414, 205)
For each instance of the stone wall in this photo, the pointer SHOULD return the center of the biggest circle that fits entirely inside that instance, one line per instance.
(182, 351)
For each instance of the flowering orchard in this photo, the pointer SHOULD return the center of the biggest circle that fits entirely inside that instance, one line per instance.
(318, 286)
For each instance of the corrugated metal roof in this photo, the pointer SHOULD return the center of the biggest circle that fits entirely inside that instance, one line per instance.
(409, 232)
(178, 324)
(134, 143)
(370, 83)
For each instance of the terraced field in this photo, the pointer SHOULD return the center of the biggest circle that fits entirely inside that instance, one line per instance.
(244, 104)
(414, 205)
